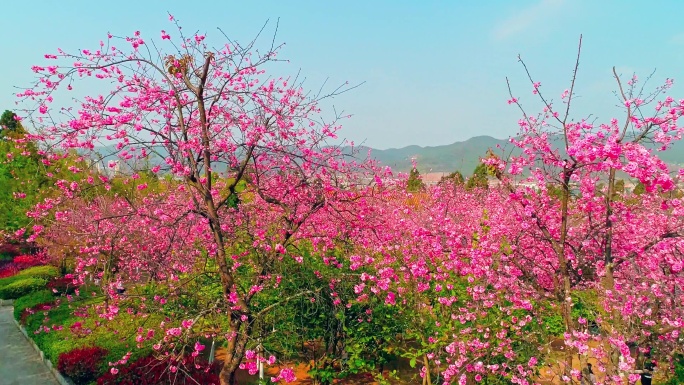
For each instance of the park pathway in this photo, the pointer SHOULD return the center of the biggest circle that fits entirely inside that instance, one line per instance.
(20, 364)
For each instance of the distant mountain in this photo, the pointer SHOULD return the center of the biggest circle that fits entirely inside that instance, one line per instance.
(464, 156)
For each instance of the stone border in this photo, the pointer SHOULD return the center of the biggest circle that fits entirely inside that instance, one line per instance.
(55, 373)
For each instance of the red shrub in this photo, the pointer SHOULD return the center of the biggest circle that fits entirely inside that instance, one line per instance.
(81, 365)
(10, 267)
(62, 285)
(8, 270)
(26, 261)
(149, 371)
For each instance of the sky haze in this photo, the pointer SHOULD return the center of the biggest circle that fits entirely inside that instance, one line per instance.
(434, 71)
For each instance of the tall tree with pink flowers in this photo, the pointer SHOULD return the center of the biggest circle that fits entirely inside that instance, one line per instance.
(249, 161)
(580, 233)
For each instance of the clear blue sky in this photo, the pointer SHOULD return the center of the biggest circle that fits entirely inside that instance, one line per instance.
(434, 70)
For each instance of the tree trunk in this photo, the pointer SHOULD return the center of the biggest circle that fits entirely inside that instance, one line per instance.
(427, 380)
(583, 361)
(609, 279)
(237, 344)
(566, 288)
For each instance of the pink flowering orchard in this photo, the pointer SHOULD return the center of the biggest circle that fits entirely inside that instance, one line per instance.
(594, 236)
(556, 235)
(247, 160)
(194, 176)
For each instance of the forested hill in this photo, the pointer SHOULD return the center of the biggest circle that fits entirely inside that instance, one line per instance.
(464, 156)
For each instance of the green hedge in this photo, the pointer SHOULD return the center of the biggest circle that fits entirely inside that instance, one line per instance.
(57, 342)
(40, 271)
(22, 287)
(678, 373)
(117, 336)
(43, 272)
(30, 300)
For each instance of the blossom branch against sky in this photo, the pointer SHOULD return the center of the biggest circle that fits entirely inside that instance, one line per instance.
(434, 70)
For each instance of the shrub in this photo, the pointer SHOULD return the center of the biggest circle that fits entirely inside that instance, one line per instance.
(10, 278)
(118, 347)
(149, 370)
(554, 325)
(40, 308)
(62, 285)
(81, 365)
(8, 269)
(43, 272)
(31, 300)
(25, 261)
(677, 374)
(21, 287)
(62, 336)
(56, 341)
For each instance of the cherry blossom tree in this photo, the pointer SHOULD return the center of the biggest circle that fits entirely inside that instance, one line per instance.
(574, 220)
(553, 238)
(214, 174)
(245, 161)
